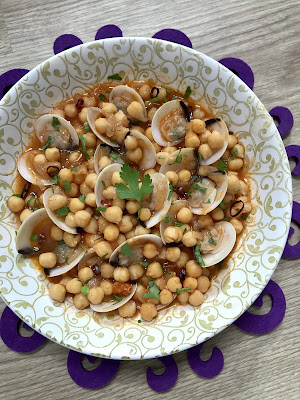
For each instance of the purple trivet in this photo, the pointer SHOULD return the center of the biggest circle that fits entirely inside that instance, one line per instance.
(293, 151)
(259, 324)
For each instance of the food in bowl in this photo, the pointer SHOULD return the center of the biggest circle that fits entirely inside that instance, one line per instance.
(130, 197)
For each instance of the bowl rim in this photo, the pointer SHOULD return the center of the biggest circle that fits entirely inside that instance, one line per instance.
(154, 352)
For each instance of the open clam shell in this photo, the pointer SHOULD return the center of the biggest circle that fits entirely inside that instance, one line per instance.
(105, 177)
(108, 151)
(35, 173)
(168, 219)
(113, 304)
(169, 122)
(121, 96)
(186, 158)
(149, 153)
(220, 126)
(63, 135)
(211, 254)
(52, 215)
(94, 113)
(74, 256)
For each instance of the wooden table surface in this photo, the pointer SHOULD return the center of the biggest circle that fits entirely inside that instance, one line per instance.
(265, 34)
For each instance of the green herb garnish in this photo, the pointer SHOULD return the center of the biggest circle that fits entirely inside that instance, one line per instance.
(113, 156)
(56, 124)
(83, 143)
(61, 242)
(67, 186)
(85, 289)
(107, 91)
(48, 143)
(171, 187)
(82, 198)
(86, 127)
(28, 201)
(101, 209)
(116, 77)
(144, 264)
(139, 321)
(225, 219)
(222, 205)
(103, 184)
(207, 202)
(34, 237)
(212, 241)
(198, 256)
(116, 297)
(73, 169)
(178, 291)
(188, 91)
(222, 165)
(167, 219)
(154, 100)
(102, 97)
(234, 154)
(16, 195)
(198, 187)
(153, 291)
(63, 211)
(126, 250)
(67, 260)
(199, 156)
(178, 158)
(244, 217)
(176, 223)
(55, 179)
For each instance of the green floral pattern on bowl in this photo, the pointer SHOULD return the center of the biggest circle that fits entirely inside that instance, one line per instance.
(257, 252)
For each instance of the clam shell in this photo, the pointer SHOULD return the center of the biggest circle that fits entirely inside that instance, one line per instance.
(158, 116)
(189, 160)
(221, 127)
(161, 184)
(64, 139)
(224, 248)
(149, 153)
(55, 219)
(23, 237)
(112, 305)
(104, 175)
(67, 267)
(176, 206)
(97, 156)
(94, 113)
(121, 96)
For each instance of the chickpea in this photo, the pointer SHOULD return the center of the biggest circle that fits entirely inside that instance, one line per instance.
(225, 155)
(82, 218)
(145, 214)
(193, 270)
(135, 155)
(121, 274)
(183, 297)
(128, 309)
(85, 189)
(140, 230)
(148, 311)
(103, 249)
(173, 254)
(125, 225)
(95, 295)
(161, 157)
(238, 226)
(205, 151)
(145, 92)
(244, 190)
(240, 150)
(65, 279)
(185, 215)
(85, 274)
(91, 139)
(74, 157)
(155, 270)
(57, 201)
(121, 239)
(184, 175)
(136, 110)
(116, 178)
(111, 232)
(71, 111)
(15, 204)
(166, 297)
(91, 179)
(81, 301)
(215, 140)
(91, 239)
(151, 113)
(108, 109)
(233, 183)
(236, 164)
(113, 214)
(131, 142)
(70, 239)
(70, 220)
(148, 133)
(89, 101)
(65, 174)
(198, 114)
(101, 125)
(41, 199)
(58, 112)
(92, 226)
(102, 224)
(184, 257)
(203, 283)
(192, 140)
(52, 154)
(40, 159)
(196, 298)
(174, 283)
(217, 214)
(90, 200)
(24, 214)
(162, 93)
(189, 239)
(48, 259)
(173, 177)
(76, 205)
(132, 206)
(171, 234)
(198, 126)
(107, 287)
(190, 282)
(232, 141)
(150, 250)
(110, 193)
(169, 149)
(74, 286)
(204, 221)
(136, 271)
(57, 292)
(107, 270)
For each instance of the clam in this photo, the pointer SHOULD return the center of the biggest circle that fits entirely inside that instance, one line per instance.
(216, 124)
(169, 123)
(215, 245)
(24, 243)
(149, 153)
(52, 215)
(108, 151)
(169, 218)
(104, 180)
(63, 135)
(113, 304)
(121, 96)
(34, 172)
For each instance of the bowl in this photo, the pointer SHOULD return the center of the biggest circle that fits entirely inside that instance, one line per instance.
(258, 250)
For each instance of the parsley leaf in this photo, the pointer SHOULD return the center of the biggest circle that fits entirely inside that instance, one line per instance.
(154, 100)
(212, 241)
(116, 297)
(198, 187)
(225, 219)
(131, 177)
(126, 250)
(116, 77)
(113, 156)
(153, 291)
(188, 91)
(207, 202)
(222, 165)
(86, 127)
(176, 223)
(244, 217)
(60, 243)
(82, 198)
(63, 211)
(101, 209)
(102, 97)
(144, 264)
(199, 156)
(85, 289)
(47, 144)
(67, 260)
(234, 154)
(178, 158)
(56, 124)
(171, 187)
(55, 179)
(73, 169)
(103, 184)
(198, 256)
(107, 91)
(34, 237)
(222, 205)
(83, 142)
(178, 291)
(167, 219)
(16, 195)
(67, 186)
(28, 201)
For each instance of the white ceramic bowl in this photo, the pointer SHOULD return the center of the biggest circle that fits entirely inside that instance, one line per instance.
(258, 251)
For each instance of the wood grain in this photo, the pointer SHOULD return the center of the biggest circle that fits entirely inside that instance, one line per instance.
(266, 34)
